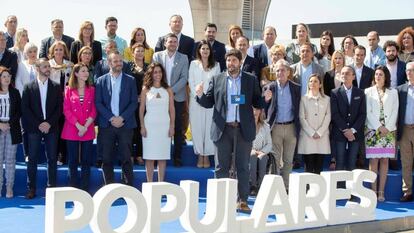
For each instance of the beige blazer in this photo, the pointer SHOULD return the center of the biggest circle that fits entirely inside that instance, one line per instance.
(390, 102)
(315, 117)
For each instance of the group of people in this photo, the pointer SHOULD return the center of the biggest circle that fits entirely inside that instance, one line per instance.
(244, 104)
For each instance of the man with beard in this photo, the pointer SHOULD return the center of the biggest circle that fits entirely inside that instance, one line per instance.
(111, 25)
(219, 49)
(41, 109)
(394, 65)
(116, 100)
(233, 128)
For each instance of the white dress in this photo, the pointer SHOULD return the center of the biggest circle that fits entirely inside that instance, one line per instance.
(157, 144)
(201, 118)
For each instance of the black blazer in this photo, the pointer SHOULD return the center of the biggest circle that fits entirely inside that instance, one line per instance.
(9, 60)
(96, 50)
(15, 115)
(216, 97)
(346, 116)
(32, 106)
(329, 82)
(402, 100)
(271, 107)
(47, 42)
(9, 40)
(219, 52)
(366, 78)
(186, 46)
(251, 65)
(260, 53)
(401, 75)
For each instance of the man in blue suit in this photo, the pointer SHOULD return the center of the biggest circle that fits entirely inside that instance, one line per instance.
(116, 101)
(262, 51)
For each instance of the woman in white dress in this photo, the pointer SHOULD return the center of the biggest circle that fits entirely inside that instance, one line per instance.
(202, 70)
(157, 126)
(382, 111)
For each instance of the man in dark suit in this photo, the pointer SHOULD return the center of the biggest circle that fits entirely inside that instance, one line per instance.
(348, 110)
(219, 49)
(249, 64)
(232, 94)
(41, 107)
(185, 43)
(282, 99)
(176, 68)
(116, 101)
(8, 59)
(363, 74)
(262, 51)
(11, 26)
(57, 30)
(405, 131)
(394, 65)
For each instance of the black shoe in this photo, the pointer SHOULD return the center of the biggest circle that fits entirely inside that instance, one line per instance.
(98, 163)
(253, 191)
(178, 163)
(393, 165)
(406, 198)
(30, 194)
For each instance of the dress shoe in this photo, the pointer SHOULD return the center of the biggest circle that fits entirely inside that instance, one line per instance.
(98, 163)
(253, 191)
(393, 165)
(406, 198)
(140, 161)
(243, 207)
(178, 163)
(30, 194)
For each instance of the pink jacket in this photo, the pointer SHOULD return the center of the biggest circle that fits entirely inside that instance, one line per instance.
(74, 112)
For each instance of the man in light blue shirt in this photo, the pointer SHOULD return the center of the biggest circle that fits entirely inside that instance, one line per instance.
(111, 25)
(375, 54)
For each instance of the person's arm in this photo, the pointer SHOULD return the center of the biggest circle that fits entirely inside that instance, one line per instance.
(142, 111)
(336, 115)
(58, 108)
(207, 100)
(92, 112)
(67, 111)
(372, 119)
(183, 77)
(303, 121)
(391, 122)
(160, 44)
(171, 111)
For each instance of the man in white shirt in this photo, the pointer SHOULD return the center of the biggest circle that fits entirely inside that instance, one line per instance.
(394, 65)
(364, 74)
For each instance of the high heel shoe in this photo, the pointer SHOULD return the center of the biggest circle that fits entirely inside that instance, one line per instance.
(381, 197)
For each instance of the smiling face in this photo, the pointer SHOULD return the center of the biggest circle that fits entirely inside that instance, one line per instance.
(139, 53)
(204, 51)
(157, 75)
(58, 52)
(176, 24)
(82, 74)
(269, 36)
(5, 79)
(233, 65)
(210, 34)
(408, 41)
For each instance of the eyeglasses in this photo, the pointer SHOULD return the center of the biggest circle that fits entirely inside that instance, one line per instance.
(409, 70)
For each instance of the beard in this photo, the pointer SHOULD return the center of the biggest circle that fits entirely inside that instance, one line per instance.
(391, 58)
(233, 70)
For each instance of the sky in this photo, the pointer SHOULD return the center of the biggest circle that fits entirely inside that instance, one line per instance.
(153, 15)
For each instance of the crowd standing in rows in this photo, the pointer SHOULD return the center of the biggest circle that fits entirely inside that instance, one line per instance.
(245, 105)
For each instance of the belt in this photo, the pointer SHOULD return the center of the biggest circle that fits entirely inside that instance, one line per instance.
(284, 123)
(233, 124)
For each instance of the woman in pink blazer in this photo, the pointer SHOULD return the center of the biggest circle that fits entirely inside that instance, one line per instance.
(79, 129)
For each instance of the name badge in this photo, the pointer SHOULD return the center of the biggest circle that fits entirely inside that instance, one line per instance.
(238, 99)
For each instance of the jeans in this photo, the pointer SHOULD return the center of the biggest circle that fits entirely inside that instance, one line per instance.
(84, 157)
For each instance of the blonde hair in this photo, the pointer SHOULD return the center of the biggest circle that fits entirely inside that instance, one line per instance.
(82, 27)
(337, 53)
(52, 48)
(278, 49)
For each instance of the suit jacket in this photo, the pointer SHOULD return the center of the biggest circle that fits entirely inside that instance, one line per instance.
(297, 70)
(216, 97)
(251, 65)
(9, 40)
(186, 46)
(401, 75)
(15, 115)
(75, 111)
(390, 104)
(102, 68)
(346, 116)
(32, 106)
(96, 50)
(9, 60)
(47, 42)
(329, 82)
(179, 73)
(402, 99)
(366, 78)
(128, 101)
(260, 53)
(272, 108)
(219, 51)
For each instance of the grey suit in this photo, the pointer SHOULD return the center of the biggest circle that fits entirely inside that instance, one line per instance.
(297, 73)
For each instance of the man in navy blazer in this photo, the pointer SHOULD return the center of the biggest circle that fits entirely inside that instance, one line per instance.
(232, 94)
(8, 59)
(116, 101)
(249, 64)
(219, 49)
(364, 74)
(405, 131)
(394, 65)
(185, 43)
(262, 51)
(348, 110)
(57, 30)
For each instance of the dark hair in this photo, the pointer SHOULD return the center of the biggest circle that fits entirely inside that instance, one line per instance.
(331, 48)
(132, 41)
(352, 68)
(73, 80)
(361, 48)
(390, 43)
(400, 36)
(210, 25)
(245, 37)
(2, 70)
(148, 82)
(321, 92)
(109, 19)
(387, 81)
(56, 21)
(169, 35)
(211, 61)
(233, 52)
(350, 37)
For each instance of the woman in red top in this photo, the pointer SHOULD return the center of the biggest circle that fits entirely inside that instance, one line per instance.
(80, 112)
